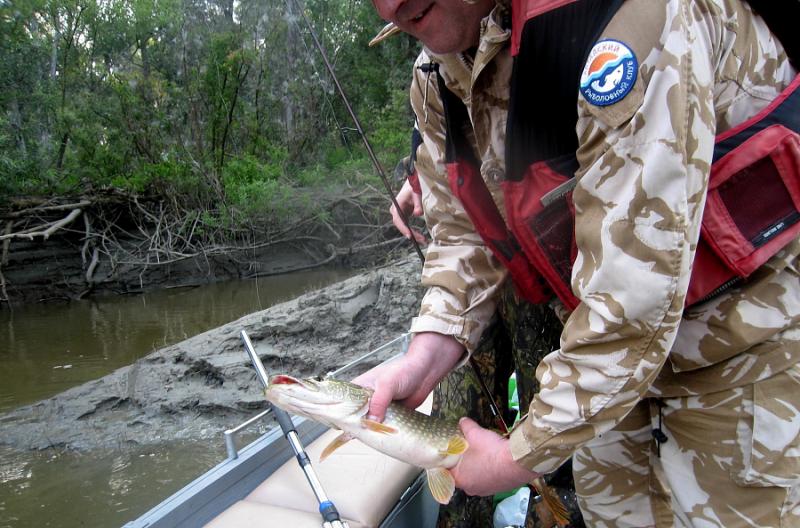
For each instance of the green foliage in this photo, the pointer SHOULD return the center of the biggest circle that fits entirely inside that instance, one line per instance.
(204, 101)
(167, 178)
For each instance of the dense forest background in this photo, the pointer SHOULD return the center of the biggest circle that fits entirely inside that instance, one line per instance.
(177, 128)
(223, 105)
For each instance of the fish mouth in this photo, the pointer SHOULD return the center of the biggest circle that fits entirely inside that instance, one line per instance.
(283, 379)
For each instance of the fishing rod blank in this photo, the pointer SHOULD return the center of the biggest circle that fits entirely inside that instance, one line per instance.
(330, 514)
(373, 158)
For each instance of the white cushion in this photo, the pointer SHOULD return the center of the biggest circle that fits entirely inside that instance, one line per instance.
(246, 514)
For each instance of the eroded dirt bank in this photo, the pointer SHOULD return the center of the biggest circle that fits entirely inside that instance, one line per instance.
(114, 243)
(205, 384)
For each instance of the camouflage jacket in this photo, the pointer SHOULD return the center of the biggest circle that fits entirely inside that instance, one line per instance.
(705, 66)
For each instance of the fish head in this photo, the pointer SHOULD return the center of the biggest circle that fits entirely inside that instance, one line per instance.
(324, 400)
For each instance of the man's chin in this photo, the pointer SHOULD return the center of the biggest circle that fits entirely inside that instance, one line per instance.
(443, 48)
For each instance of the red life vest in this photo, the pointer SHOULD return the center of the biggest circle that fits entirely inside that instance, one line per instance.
(753, 203)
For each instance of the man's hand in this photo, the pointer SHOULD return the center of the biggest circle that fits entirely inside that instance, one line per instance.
(487, 467)
(411, 377)
(410, 203)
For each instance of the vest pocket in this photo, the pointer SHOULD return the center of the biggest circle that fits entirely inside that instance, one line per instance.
(768, 434)
(753, 204)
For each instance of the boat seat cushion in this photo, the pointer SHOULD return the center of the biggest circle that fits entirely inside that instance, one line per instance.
(363, 483)
(256, 515)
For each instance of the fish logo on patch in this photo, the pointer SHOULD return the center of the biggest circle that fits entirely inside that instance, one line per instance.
(609, 74)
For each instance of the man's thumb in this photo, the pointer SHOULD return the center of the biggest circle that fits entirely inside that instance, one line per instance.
(468, 426)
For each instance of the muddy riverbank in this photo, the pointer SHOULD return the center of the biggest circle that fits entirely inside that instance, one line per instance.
(197, 388)
(113, 244)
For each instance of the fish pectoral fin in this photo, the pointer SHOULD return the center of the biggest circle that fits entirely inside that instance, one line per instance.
(335, 444)
(455, 446)
(442, 484)
(377, 427)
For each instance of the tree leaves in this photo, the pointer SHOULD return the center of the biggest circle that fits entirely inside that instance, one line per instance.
(117, 93)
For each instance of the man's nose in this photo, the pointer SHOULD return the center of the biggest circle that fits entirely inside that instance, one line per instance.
(387, 9)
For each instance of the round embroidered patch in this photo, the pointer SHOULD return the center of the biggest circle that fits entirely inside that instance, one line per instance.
(609, 74)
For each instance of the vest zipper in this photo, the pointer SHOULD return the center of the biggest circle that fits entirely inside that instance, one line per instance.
(724, 287)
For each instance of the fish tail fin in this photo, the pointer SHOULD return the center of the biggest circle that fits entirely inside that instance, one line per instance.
(442, 484)
(552, 502)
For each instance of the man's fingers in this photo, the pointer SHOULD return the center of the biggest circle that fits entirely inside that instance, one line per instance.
(401, 226)
(417, 204)
(378, 403)
(398, 222)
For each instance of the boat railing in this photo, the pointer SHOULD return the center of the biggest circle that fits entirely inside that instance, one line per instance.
(230, 434)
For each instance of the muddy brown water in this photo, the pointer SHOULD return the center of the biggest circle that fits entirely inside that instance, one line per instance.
(48, 348)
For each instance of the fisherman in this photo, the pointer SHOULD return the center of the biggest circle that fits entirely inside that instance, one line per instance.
(516, 342)
(680, 405)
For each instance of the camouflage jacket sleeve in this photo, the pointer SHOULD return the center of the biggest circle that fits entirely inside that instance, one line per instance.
(460, 273)
(644, 167)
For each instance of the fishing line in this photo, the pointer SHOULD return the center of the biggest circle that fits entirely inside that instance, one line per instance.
(373, 158)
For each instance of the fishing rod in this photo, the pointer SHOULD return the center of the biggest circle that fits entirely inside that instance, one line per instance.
(373, 158)
(327, 509)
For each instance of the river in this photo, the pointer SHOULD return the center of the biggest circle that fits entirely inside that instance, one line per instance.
(48, 348)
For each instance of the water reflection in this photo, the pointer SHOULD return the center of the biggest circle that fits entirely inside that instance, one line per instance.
(14, 468)
(48, 348)
(106, 488)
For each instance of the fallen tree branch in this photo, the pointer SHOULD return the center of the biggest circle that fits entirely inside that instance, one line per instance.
(356, 249)
(92, 266)
(3, 291)
(328, 260)
(47, 208)
(6, 243)
(45, 230)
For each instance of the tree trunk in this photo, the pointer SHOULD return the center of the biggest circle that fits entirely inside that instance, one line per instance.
(62, 151)
(291, 47)
(15, 118)
(54, 50)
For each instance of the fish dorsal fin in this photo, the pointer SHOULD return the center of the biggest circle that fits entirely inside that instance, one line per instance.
(335, 444)
(442, 484)
(455, 446)
(377, 427)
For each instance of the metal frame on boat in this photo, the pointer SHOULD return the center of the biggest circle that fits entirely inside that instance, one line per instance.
(223, 486)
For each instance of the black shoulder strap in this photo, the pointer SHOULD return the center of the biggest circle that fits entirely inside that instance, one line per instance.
(783, 18)
(544, 84)
(456, 118)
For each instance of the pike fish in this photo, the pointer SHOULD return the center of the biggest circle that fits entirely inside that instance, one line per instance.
(405, 434)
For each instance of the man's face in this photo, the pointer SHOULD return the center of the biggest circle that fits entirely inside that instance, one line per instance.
(444, 26)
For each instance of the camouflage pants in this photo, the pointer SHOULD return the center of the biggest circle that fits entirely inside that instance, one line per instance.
(522, 336)
(730, 459)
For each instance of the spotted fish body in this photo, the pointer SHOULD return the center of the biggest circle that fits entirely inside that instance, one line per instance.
(407, 435)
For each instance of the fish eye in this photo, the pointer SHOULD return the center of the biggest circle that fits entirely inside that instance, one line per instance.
(317, 378)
